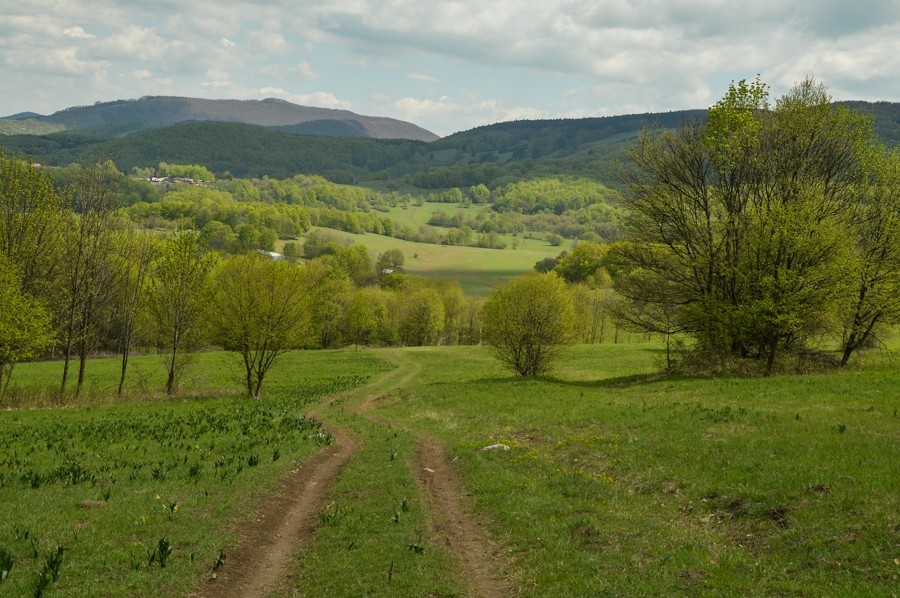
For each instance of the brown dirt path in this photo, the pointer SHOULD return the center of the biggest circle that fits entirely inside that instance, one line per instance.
(455, 526)
(268, 545)
(260, 564)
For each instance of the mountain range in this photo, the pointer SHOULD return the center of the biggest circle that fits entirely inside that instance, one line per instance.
(123, 117)
(269, 138)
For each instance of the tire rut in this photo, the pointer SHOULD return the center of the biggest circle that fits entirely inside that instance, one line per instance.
(261, 561)
(455, 526)
(443, 487)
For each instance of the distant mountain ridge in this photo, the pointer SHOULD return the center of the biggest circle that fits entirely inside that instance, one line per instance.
(493, 155)
(123, 117)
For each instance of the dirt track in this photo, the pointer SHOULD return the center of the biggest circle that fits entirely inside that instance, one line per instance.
(260, 565)
(261, 562)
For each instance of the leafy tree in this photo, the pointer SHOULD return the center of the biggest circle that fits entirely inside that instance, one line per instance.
(741, 223)
(320, 242)
(135, 253)
(88, 270)
(546, 265)
(391, 259)
(360, 318)
(528, 322)
(421, 318)
(290, 251)
(592, 308)
(32, 217)
(260, 310)
(219, 236)
(179, 292)
(357, 263)
(584, 263)
(479, 193)
(555, 239)
(333, 290)
(876, 292)
(25, 324)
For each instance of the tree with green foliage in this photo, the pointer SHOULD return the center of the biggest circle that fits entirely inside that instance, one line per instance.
(528, 322)
(391, 259)
(135, 253)
(88, 275)
(421, 317)
(743, 222)
(584, 263)
(876, 292)
(32, 218)
(260, 310)
(359, 318)
(179, 293)
(25, 324)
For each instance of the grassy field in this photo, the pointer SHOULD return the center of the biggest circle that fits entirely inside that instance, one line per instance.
(616, 481)
(118, 486)
(478, 270)
(619, 484)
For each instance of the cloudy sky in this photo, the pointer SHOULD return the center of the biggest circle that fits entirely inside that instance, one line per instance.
(445, 65)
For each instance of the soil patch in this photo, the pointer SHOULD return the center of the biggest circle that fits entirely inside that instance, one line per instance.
(268, 545)
(454, 525)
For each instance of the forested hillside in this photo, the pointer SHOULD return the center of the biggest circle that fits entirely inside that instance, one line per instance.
(494, 155)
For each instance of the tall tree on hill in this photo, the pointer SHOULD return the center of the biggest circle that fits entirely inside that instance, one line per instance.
(744, 219)
(88, 274)
(260, 310)
(876, 293)
(179, 293)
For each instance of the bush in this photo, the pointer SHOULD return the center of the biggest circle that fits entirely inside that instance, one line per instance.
(529, 321)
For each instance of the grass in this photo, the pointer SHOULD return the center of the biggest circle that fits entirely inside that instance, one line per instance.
(115, 484)
(478, 270)
(617, 481)
(374, 537)
(617, 484)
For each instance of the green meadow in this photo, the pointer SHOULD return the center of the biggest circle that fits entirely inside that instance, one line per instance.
(477, 269)
(616, 481)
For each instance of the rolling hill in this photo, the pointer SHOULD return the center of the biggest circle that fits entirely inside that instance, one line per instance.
(337, 149)
(122, 117)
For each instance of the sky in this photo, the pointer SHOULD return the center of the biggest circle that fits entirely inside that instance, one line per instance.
(444, 65)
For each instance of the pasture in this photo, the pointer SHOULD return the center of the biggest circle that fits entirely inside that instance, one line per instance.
(478, 270)
(616, 481)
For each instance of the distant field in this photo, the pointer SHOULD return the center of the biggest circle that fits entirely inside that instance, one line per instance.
(417, 215)
(477, 270)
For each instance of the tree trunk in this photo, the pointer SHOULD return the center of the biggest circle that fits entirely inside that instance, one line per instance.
(170, 382)
(773, 347)
(82, 362)
(124, 368)
(5, 372)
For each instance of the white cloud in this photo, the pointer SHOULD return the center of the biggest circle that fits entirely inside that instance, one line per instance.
(303, 69)
(422, 77)
(269, 43)
(322, 99)
(443, 113)
(521, 57)
(78, 33)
